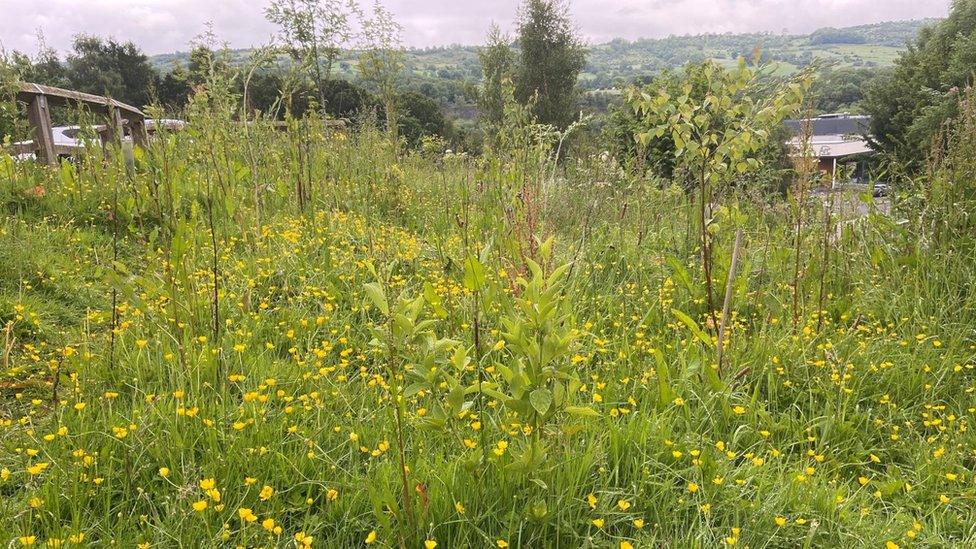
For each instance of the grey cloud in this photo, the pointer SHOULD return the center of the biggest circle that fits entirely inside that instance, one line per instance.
(167, 25)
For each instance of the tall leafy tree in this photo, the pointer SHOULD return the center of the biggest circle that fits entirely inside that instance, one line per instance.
(10, 111)
(843, 89)
(383, 60)
(910, 106)
(497, 64)
(118, 70)
(552, 57)
(174, 88)
(313, 33)
(718, 121)
(46, 68)
(421, 116)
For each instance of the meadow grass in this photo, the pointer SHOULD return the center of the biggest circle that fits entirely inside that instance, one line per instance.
(192, 359)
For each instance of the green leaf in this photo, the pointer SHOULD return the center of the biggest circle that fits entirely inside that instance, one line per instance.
(557, 275)
(474, 274)
(541, 400)
(455, 399)
(375, 294)
(665, 393)
(434, 300)
(693, 326)
(413, 389)
(492, 392)
(681, 273)
(582, 411)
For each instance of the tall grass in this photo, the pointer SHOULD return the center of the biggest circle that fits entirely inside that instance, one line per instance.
(243, 402)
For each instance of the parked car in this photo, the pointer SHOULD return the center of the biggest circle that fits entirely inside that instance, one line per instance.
(877, 188)
(72, 139)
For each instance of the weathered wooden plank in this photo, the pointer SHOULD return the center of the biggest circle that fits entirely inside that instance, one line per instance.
(118, 126)
(39, 117)
(140, 137)
(60, 96)
(40, 98)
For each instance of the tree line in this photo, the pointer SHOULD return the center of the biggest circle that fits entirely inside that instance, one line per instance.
(539, 68)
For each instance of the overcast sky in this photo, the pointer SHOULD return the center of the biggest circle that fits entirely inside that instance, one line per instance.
(161, 26)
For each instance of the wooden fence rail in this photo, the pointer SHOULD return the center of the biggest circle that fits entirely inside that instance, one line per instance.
(40, 99)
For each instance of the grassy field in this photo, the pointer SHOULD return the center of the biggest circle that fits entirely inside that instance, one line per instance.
(266, 339)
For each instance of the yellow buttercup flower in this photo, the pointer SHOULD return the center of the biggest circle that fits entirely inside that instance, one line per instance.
(38, 468)
(246, 515)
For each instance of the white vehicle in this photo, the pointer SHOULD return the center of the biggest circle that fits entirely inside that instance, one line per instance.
(71, 139)
(168, 124)
(65, 138)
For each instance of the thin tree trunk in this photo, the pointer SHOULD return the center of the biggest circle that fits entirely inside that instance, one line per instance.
(729, 283)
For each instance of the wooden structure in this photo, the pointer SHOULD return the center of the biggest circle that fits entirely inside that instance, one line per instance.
(40, 99)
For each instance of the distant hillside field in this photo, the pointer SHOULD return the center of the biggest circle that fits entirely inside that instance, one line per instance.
(620, 61)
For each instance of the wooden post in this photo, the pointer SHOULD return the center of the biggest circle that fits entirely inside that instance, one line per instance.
(729, 282)
(137, 126)
(39, 117)
(118, 128)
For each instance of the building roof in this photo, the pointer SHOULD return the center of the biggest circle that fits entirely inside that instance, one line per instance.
(833, 146)
(832, 135)
(832, 124)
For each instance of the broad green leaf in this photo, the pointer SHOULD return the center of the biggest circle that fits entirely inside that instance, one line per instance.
(582, 411)
(413, 389)
(541, 400)
(474, 274)
(455, 399)
(665, 393)
(375, 294)
(693, 326)
(430, 294)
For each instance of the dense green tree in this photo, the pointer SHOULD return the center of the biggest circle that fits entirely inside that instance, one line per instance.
(420, 117)
(174, 89)
(552, 57)
(314, 32)
(205, 61)
(831, 35)
(843, 89)
(10, 111)
(46, 69)
(110, 68)
(382, 60)
(343, 99)
(910, 106)
(497, 64)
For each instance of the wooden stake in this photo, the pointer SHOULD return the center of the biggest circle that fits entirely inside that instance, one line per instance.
(728, 297)
(39, 117)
